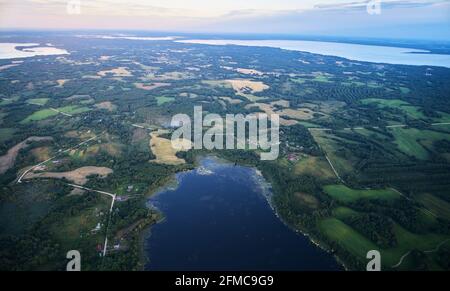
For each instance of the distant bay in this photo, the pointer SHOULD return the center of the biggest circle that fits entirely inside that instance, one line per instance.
(10, 51)
(356, 52)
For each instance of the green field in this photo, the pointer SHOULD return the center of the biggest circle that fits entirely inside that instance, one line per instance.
(38, 101)
(343, 212)
(346, 237)
(411, 141)
(327, 142)
(408, 241)
(353, 83)
(162, 100)
(40, 115)
(73, 109)
(218, 83)
(7, 101)
(314, 166)
(436, 205)
(253, 98)
(445, 117)
(404, 90)
(412, 111)
(344, 194)
(46, 113)
(374, 85)
(358, 245)
(322, 79)
(308, 124)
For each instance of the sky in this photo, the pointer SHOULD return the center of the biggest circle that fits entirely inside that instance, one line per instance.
(410, 19)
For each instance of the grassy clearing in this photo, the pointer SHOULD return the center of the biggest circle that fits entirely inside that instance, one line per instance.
(344, 194)
(300, 114)
(47, 113)
(7, 101)
(308, 124)
(169, 76)
(78, 176)
(445, 117)
(38, 101)
(73, 228)
(252, 97)
(407, 241)
(329, 145)
(117, 72)
(41, 153)
(217, 83)
(436, 205)
(243, 87)
(358, 245)
(412, 111)
(73, 109)
(322, 79)
(249, 71)
(374, 85)
(306, 200)
(412, 141)
(40, 115)
(269, 110)
(163, 100)
(150, 86)
(343, 212)
(315, 166)
(346, 237)
(8, 159)
(404, 90)
(231, 100)
(107, 105)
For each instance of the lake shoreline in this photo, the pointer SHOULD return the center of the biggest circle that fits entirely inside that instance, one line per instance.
(256, 175)
(375, 54)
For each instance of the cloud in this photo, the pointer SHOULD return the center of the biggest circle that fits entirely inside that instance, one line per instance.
(384, 3)
(407, 18)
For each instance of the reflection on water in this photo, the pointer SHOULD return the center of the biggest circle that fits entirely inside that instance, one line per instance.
(218, 218)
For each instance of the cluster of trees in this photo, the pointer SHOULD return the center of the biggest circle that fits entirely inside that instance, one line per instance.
(377, 228)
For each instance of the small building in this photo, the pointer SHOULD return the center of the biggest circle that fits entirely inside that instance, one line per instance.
(97, 228)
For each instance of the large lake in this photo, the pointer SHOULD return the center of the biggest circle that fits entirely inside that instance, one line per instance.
(10, 51)
(218, 218)
(357, 52)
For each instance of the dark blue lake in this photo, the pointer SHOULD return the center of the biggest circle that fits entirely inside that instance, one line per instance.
(219, 218)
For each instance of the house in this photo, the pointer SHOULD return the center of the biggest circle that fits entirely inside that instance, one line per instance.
(97, 228)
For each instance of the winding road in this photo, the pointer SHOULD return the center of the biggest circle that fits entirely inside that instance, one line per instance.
(60, 152)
